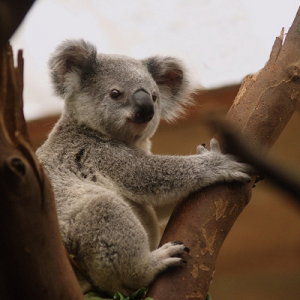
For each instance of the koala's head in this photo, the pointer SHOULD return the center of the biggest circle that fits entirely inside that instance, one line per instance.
(121, 97)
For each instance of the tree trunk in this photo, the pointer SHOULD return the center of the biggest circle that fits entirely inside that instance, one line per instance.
(265, 103)
(33, 261)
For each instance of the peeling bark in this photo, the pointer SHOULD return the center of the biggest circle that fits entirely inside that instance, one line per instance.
(262, 108)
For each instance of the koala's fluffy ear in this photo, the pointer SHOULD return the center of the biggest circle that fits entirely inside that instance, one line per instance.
(171, 77)
(69, 64)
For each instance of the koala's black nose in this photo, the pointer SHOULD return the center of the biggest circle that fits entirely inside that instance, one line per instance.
(143, 107)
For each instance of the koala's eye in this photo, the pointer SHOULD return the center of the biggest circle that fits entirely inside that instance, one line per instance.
(115, 94)
(154, 97)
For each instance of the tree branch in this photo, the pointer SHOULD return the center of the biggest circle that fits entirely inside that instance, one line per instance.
(33, 261)
(265, 103)
(12, 12)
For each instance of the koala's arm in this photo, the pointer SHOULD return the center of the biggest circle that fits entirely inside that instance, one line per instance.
(157, 179)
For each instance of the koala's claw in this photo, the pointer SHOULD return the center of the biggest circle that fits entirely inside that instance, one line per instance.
(177, 243)
(184, 261)
(186, 249)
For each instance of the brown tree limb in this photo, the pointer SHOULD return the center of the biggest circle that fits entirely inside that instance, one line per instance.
(265, 103)
(12, 13)
(33, 261)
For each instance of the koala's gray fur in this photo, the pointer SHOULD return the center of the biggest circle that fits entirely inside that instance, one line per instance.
(107, 185)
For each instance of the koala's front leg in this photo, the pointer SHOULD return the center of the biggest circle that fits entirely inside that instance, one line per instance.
(231, 169)
(159, 180)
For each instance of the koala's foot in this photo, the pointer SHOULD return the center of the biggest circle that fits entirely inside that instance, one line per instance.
(225, 167)
(169, 255)
(147, 266)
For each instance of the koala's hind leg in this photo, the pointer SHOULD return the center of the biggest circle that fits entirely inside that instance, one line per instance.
(112, 246)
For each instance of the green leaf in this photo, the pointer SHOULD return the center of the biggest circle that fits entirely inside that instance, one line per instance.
(138, 295)
(93, 296)
(118, 296)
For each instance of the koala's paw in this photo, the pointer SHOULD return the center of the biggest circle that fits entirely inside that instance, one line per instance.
(226, 167)
(170, 255)
(238, 172)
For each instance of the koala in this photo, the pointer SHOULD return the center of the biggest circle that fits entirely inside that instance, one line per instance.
(110, 191)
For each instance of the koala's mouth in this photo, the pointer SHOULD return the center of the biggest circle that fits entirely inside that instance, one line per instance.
(138, 126)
